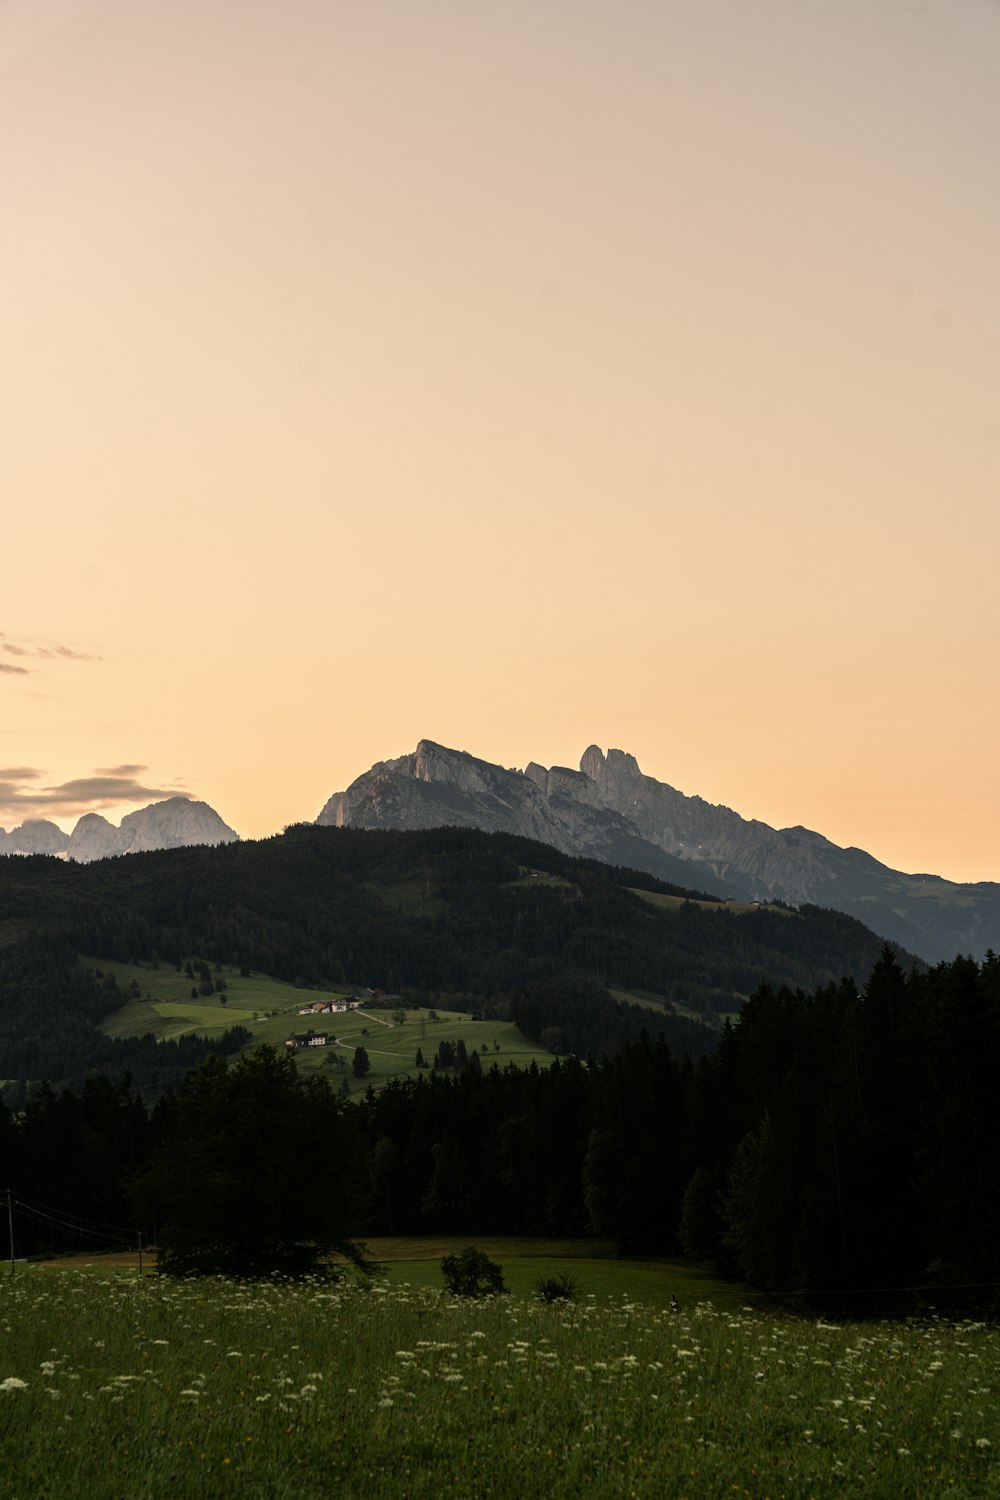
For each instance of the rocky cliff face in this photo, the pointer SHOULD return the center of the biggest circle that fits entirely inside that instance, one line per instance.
(172, 824)
(609, 810)
(34, 836)
(436, 787)
(759, 860)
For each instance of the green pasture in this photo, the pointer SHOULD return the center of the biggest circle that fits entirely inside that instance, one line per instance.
(167, 986)
(646, 1001)
(270, 1010)
(599, 1273)
(663, 902)
(392, 1046)
(529, 878)
(661, 1004)
(113, 1386)
(411, 896)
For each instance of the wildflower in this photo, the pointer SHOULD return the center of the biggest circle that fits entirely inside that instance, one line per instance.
(983, 1443)
(12, 1383)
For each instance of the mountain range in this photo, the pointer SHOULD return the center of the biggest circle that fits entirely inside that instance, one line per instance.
(609, 810)
(172, 824)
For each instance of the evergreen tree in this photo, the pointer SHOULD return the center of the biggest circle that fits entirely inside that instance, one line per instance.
(232, 1188)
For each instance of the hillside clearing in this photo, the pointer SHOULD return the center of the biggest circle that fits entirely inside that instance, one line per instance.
(270, 1010)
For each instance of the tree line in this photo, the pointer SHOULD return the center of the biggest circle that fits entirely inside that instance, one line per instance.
(839, 1141)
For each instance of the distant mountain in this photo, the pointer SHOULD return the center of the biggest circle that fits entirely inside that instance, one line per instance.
(437, 788)
(35, 836)
(608, 810)
(172, 824)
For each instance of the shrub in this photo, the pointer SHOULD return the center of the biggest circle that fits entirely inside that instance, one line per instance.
(561, 1288)
(472, 1274)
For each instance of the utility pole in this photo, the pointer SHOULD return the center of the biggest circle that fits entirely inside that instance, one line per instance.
(10, 1227)
(140, 1252)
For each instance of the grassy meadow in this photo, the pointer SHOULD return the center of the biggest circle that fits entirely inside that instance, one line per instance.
(114, 1386)
(166, 1009)
(664, 902)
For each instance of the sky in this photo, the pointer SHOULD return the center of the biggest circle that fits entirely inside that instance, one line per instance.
(519, 376)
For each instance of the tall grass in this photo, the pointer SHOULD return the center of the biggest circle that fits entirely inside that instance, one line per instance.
(111, 1386)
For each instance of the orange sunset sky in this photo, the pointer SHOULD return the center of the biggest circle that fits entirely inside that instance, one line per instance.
(513, 373)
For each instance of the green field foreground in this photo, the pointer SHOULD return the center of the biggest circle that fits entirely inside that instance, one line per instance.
(115, 1386)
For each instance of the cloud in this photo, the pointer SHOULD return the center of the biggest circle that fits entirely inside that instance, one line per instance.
(39, 647)
(106, 789)
(20, 799)
(5, 666)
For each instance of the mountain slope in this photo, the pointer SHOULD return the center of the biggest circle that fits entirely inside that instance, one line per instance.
(511, 927)
(608, 810)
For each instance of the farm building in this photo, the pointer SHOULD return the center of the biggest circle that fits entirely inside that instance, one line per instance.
(307, 1039)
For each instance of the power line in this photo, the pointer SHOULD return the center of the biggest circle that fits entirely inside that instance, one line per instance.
(68, 1225)
(44, 1208)
(116, 1237)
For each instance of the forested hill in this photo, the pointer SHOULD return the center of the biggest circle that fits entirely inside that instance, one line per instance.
(497, 920)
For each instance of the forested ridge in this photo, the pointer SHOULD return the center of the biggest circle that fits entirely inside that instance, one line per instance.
(505, 926)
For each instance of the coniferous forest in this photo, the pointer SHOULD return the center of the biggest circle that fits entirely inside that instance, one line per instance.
(506, 927)
(835, 1139)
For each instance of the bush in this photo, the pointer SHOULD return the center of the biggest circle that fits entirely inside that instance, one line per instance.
(561, 1288)
(472, 1274)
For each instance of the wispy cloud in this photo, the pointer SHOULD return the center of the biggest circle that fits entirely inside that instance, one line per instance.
(21, 797)
(5, 666)
(39, 647)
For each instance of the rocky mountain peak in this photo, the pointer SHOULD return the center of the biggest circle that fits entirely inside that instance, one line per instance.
(610, 810)
(172, 824)
(34, 836)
